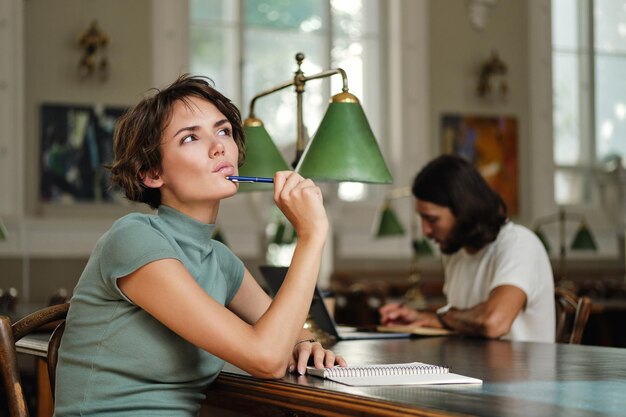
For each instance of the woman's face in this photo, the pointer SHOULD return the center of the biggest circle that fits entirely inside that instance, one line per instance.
(198, 152)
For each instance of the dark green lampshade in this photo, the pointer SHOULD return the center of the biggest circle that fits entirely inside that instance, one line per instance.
(422, 247)
(285, 234)
(344, 147)
(263, 159)
(583, 240)
(388, 224)
(542, 237)
(3, 231)
(219, 236)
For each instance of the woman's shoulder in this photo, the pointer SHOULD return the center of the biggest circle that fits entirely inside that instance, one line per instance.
(133, 225)
(134, 219)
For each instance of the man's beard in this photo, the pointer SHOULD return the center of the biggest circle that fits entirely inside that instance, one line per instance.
(453, 242)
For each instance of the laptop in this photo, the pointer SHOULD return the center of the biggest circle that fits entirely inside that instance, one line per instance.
(274, 276)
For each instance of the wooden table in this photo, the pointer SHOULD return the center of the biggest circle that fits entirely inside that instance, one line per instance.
(520, 379)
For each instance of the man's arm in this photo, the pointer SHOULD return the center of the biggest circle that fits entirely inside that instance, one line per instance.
(492, 318)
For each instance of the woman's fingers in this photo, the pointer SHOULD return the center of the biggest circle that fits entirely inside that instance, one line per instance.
(301, 201)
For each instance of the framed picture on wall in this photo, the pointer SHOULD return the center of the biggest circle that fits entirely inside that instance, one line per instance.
(490, 143)
(76, 142)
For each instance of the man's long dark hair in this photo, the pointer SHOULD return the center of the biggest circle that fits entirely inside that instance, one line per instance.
(453, 182)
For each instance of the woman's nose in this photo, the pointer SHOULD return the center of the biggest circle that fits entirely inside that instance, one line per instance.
(216, 148)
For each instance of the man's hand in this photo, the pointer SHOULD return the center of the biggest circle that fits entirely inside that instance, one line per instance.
(397, 314)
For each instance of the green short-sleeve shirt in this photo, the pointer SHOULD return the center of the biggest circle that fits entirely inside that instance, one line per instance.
(117, 360)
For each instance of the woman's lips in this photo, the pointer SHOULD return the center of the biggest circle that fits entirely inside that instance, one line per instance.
(225, 168)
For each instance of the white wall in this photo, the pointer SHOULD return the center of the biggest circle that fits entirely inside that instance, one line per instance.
(433, 55)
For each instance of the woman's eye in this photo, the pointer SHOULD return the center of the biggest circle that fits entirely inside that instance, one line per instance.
(224, 132)
(188, 139)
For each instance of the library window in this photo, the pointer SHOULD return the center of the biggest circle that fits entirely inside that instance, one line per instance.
(589, 94)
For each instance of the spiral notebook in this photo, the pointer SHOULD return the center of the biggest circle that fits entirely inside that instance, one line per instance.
(413, 373)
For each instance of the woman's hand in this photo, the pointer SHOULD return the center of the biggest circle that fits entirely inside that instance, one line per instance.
(322, 358)
(301, 202)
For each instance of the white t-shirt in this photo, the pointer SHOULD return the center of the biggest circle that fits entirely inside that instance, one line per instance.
(517, 258)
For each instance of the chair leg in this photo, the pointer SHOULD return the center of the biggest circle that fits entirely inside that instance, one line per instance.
(10, 371)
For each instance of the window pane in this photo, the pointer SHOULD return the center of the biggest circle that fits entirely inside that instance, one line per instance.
(270, 63)
(301, 15)
(610, 106)
(210, 50)
(355, 18)
(348, 55)
(564, 24)
(610, 26)
(569, 187)
(566, 102)
(210, 11)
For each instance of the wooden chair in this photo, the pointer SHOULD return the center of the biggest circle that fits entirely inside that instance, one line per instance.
(572, 313)
(44, 319)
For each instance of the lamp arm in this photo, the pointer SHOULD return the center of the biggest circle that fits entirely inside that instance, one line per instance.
(299, 80)
(267, 92)
(328, 73)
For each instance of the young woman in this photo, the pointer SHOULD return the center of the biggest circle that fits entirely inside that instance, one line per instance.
(160, 306)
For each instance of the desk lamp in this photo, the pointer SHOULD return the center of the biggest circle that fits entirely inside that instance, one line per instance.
(388, 224)
(583, 239)
(343, 148)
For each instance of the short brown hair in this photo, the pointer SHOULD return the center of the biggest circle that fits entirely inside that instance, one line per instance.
(137, 138)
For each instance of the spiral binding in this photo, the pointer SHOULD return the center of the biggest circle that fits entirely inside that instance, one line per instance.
(381, 370)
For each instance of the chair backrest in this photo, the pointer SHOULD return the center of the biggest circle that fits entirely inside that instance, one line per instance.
(572, 314)
(47, 319)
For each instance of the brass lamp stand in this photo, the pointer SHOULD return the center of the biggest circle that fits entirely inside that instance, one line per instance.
(389, 225)
(583, 239)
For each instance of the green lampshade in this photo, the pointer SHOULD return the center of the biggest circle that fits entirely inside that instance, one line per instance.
(422, 247)
(263, 159)
(3, 231)
(284, 233)
(219, 236)
(344, 147)
(583, 240)
(542, 237)
(388, 224)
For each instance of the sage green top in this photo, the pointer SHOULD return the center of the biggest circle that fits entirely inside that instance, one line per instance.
(117, 360)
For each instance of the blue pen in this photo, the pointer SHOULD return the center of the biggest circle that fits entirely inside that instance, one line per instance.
(235, 178)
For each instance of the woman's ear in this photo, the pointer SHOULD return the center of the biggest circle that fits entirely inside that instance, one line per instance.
(151, 179)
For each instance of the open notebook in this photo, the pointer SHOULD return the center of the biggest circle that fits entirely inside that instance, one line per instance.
(274, 277)
(416, 330)
(413, 373)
